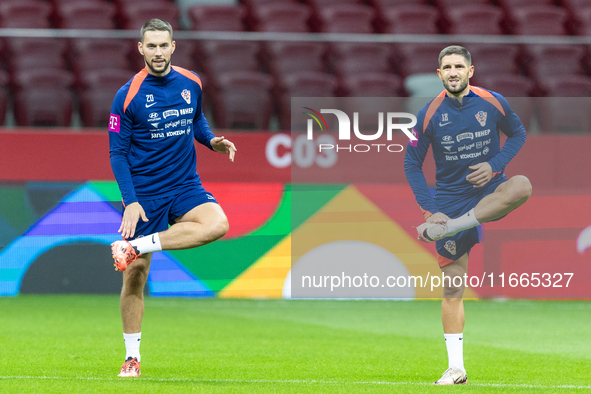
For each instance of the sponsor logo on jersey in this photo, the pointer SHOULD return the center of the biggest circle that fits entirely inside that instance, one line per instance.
(114, 123)
(155, 125)
(189, 121)
(183, 122)
(172, 124)
(157, 135)
(447, 139)
(186, 95)
(185, 111)
(450, 246)
(153, 115)
(170, 112)
(470, 155)
(466, 147)
(482, 133)
(485, 150)
(480, 144)
(450, 158)
(481, 118)
(465, 136)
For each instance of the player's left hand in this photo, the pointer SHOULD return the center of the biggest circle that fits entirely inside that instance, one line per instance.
(481, 174)
(222, 145)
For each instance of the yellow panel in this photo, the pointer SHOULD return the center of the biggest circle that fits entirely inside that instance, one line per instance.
(348, 216)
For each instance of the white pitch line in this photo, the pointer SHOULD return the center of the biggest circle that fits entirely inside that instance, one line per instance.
(298, 381)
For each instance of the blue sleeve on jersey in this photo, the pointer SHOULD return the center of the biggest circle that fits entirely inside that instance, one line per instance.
(512, 127)
(413, 165)
(119, 144)
(203, 132)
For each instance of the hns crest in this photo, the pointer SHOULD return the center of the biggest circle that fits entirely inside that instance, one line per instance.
(451, 247)
(187, 96)
(481, 118)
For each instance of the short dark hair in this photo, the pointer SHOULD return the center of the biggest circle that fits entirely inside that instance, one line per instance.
(456, 50)
(155, 25)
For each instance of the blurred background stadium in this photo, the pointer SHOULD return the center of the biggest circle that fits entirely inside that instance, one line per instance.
(65, 59)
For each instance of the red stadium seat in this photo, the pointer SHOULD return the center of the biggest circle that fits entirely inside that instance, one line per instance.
(134, 15)
(34, 53)
(302, 84)
(43, 107)
(105, 78)
(217, 17)
(96, 60)
(512, 4)
(381, 5)
(346, 18)
(492, 59)
(95, 106)
(474, 19)
(86, 15)
(3, 97)
(243, 101)
(409, 19)
(539, 20)
(224, 56)
(568, 109)
(418, 58)
(282, 17)
(288, 56)
(372, 85)
(42, 78)
(582, 20)
(24, 14)
(550, 60)
(355, 58)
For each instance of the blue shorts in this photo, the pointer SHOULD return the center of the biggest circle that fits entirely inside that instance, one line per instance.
(162, 212)
(452, 248)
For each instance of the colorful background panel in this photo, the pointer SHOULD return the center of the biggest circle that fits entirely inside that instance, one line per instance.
(55, 237)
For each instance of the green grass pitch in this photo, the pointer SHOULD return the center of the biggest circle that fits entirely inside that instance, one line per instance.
(74, 344)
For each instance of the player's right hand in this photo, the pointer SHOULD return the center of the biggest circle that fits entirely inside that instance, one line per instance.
(438, 218)
(132, 214)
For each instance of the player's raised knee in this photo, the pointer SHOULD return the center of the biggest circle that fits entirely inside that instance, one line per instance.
(219, 228)
(522, 188)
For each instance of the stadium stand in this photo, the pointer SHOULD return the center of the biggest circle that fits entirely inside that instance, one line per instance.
(86, 15)
(243, 100)
(25, 14)
(343, 68)
(217, 17)
(286, 17)
(43, 107)
(408, 19)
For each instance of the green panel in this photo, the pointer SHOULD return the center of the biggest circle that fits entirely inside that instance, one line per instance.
(306, 200)
(108, 189)
(15, 207)
(224, 260)
(279, 223)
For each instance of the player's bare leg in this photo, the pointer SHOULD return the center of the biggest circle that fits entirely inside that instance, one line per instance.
(452, 316)
(132, 312)
(506, 197)
(132, 293)
(200, 226)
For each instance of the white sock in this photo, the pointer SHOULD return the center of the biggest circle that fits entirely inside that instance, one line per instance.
(464, 222)
(147, 244)
(455, 350)
(132, 345)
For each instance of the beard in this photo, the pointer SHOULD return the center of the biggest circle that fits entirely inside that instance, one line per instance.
(164, 68)
(456, 89)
